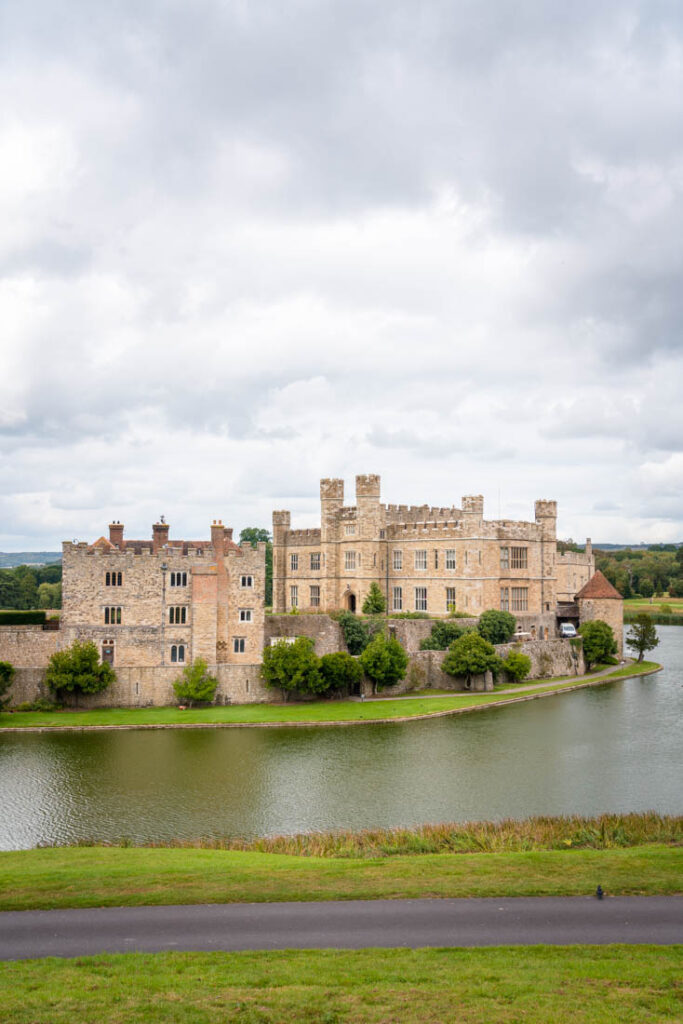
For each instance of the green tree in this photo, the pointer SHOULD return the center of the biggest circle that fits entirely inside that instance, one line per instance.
(645, 587)
(49, 595)
(357, 634)
(517, 666)
(195, 685)
(384, 661)
(374, 603)
(442, 636)
(676, 587)
(255, 535)
(598, 641)
(78, 670)
(642, 635)
(496, 627)
(293, 667)
(471, 655)
(6, 677)
(340, 671)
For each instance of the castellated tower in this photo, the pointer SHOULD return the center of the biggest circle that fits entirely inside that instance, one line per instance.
(282, 520)
(367, 503)
(473, 508)
(546, 520)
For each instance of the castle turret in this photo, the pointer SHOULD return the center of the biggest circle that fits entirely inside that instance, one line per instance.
(545, 513)
(116, 534)
(367, 503)
(473, 508)
(282, 520)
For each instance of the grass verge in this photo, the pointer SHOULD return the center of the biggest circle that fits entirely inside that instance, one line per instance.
(534, 984)
(314, 712)
(111, 876)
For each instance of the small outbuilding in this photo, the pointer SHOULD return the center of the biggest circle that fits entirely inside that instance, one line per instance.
(598, 599)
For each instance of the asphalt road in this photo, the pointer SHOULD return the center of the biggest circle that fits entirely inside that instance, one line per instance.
(353, 924)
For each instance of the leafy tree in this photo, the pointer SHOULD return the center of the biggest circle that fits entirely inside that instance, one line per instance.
(255, 535)
(357, 633)
(442, 636)
(195, 685)
(643, 635)
(496, 627)
(676, 587)
(293, 667)
(471, 655)
(374, 603)
(340, 671)
(645, 588)
(384, 661)
(598, 641)
(517, 665)
(49, 595)
(78, 670)
(6, 677)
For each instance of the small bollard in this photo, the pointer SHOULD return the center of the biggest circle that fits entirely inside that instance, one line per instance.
(599, 892)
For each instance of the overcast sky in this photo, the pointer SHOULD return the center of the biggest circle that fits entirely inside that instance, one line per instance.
(245, 244)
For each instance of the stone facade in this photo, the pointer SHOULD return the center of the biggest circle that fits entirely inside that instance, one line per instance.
(422, 558)
(598, 599)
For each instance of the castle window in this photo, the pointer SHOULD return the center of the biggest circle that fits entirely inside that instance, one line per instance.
(520, 599)
(246, 581)
(505, 558)
(108, 653)
(518, 559)
(349, 530)
(178, 653)
(398, 561)
(450, 599)
(436, 559)
(112, 616)
(420, 559)
(349, 559)
(420, 599)
(382, 534)
(293, 563)
(294, 597)
(113, 579)
(177, 614)
(178, 579)
(246, 615)
(505, 599)
(315, 561)
(239, 644)
(397, 599)
(315, 596)
(450, 558)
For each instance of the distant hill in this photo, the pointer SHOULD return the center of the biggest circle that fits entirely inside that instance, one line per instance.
(8, 559)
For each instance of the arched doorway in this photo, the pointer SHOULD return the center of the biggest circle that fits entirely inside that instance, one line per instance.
(351, 603)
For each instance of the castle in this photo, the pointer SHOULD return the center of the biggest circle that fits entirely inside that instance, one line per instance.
(423, 559)
(152, 606)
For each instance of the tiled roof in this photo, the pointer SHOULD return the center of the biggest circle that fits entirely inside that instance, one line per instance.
(598, 587)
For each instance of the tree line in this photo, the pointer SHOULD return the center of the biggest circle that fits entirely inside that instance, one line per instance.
(31, 586)
(646, 572)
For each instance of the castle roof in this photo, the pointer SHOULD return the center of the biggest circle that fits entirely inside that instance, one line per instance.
(598, 588)
(102, 542)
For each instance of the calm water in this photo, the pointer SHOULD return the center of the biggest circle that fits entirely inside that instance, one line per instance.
(613, 748)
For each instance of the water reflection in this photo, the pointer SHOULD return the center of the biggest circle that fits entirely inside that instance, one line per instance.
(615, 748)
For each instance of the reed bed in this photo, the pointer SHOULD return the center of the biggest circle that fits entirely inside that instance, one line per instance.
(608, 831)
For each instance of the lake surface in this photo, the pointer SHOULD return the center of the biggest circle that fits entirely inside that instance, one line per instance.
(611, 748)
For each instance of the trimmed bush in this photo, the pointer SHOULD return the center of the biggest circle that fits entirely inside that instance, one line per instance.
(384, 661)
(517, 666)
(22, 618)
(340, 671)
(293, 668)
(471, 655)
(442, 636)
(496, 627)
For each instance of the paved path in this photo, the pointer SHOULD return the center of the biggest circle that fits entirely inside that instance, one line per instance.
(353, 924)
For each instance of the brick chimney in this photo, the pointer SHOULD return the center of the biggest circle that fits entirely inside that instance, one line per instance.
(159, 535)
(116, 534)
(218, 537)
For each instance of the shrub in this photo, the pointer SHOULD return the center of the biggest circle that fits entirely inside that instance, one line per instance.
(195, 685)
(598, 641)
(293, 667)
(78, 670)
(496, 627)
(384, 661)
(517, 666)
(356, 632)
(409, 615)
(340, 671)
(442, 636)
(21, 618)
(471, 655)
(41, 704)
(6, 677)
(374, 603)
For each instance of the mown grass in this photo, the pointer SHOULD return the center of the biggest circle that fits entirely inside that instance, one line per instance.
(313, 712)
(505, 985)
(62, 877)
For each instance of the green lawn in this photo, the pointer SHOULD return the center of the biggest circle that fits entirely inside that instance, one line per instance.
(113, 876)
(316, 711)
(506, 985)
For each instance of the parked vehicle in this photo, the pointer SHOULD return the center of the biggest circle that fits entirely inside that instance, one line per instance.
(568, 631)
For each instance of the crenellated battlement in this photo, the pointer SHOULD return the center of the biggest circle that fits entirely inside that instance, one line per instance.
(311, 536)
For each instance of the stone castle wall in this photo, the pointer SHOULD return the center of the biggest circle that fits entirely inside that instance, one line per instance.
(610, 611)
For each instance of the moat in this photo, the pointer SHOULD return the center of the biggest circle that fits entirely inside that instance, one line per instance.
(610, 748)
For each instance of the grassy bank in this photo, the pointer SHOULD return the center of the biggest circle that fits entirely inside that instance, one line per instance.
(112, 876)
(664, 611)
(534, 984)
(314, 712)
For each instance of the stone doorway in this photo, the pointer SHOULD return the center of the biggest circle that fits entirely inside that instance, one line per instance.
(351, 603)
